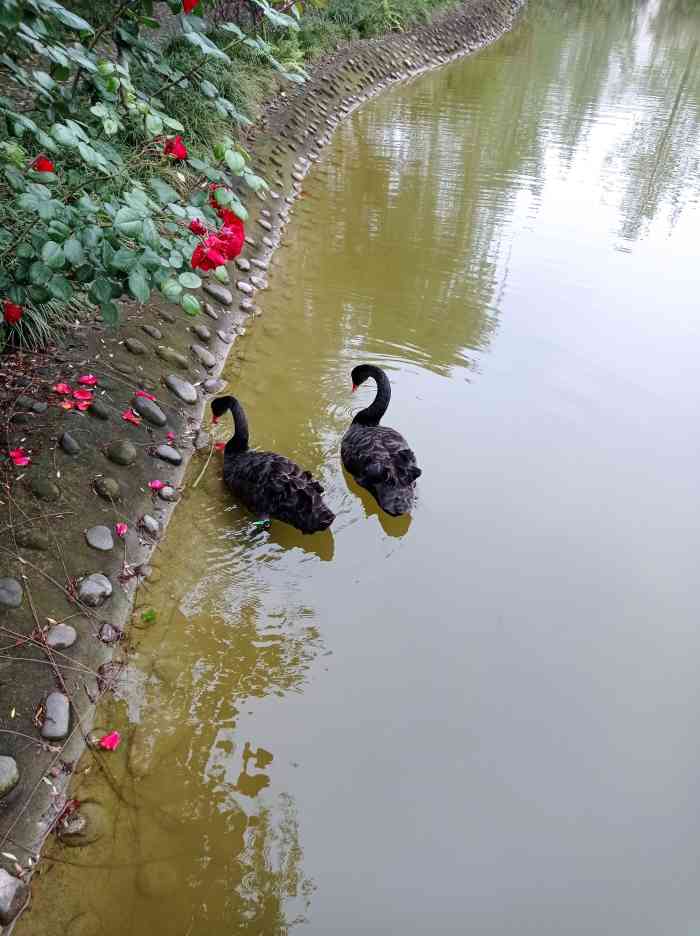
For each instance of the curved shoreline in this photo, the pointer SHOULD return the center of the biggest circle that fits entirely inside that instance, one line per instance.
(104, 480)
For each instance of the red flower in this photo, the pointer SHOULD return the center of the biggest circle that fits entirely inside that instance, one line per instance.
(142, 393)
(13, 312)
(189, 5)
(82, 395)
(121, 529)
(197, 227)
(62, 388)
(130, 416)
(234, 238)
(156, 485)
(43, 164)
(87, 380)
(175, 147)
(206, 256)
(19, 458)
(111, 741)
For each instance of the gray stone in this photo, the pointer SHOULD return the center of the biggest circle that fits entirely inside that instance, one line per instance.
(45, 489)
(100, 537)
(122, 452)
(205, 357)
(244, 287)
(150, 411)
(219, 292)
(150, 525)
(61, 636)
(297, 176)
(40, 406)
(226, 337)
(13, 896)
(265, 212)
(167, 315)
(24, 402)
(169, 454)
(168, 493)
(259, 282)
(181, 388)
(57, 717)
(94, 589)
(268, 242)
(87, 825)
(69, 445)
(214, 385)
(243, 264)
(135, 346)
(110, 633)
(247, 305)
(211, 311)
(9, 775)
(202, 332)
(260, 264)
(173, 357)
(152, 331)
(31, 538)
(108, 488)
(250, 242)
(99, 409)
(264, 224)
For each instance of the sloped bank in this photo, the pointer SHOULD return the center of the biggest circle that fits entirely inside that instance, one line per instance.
(67, 579)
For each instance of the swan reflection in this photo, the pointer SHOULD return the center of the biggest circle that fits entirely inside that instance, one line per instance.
(392, 526)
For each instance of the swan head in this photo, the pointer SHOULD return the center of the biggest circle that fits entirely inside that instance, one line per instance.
(359, 374)
(219, 406)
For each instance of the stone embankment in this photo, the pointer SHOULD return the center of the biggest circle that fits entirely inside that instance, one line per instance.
(79, 523)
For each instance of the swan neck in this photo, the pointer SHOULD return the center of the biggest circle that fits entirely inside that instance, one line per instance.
(373, 414)
(239, 440)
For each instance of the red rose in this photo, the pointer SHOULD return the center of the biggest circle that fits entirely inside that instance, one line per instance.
(13, 312)
(175, 147)
(43, 164)
(234, 236)
(197, 227)
(189, 5)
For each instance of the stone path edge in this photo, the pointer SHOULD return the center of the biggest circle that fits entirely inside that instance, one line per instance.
(90, 472)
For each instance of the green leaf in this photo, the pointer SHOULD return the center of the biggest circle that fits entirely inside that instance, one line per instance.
(138, 285)
(101, 291)
(277, 19)
(52, 255)
(221, 273)
(92, 235)
(177, 210)
(254, 182)
(100, 110)
(63, 135)
(189, 280)
(198, 199)
(176, 259)
(25, 251)
(60, 288)
(208, 89)
(124, 259)
(223, 197)
(129, 222)
(190, 304)
(85, 273)
(233, 28)
(154, 125)
(171, 289)
(234, 161)
(164, 191)
(47, 210)
(87, 205)
(39, 273)
(205, 45)
(44, 80)
(74, 252)
(65, 16)
(110, 313)
(38, 294)
(172, 123)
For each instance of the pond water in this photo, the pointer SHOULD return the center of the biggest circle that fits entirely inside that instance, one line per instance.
(483, 718)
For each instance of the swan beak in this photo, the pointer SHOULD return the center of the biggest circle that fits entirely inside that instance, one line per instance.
(354, 387)
(214, 420)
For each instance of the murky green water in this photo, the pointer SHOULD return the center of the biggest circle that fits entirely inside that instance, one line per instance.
(484, 719)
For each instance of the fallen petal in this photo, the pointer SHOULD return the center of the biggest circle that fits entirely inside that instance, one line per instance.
(130, 416)
(142, 393)
(62, 388)
(87, 380)
(82, 394)
(121, 529)
(156, 485)
(66, 404)
(111, 741)
(170, 437)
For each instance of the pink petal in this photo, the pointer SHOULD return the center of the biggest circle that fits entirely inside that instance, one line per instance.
(156, 485)
(19, 457)
(111, 741)
(121, 529)
(142, 393)
(87, 380)
(82, 394)
(130, 416)
(170, 437)
(62, 388)
(83, 405)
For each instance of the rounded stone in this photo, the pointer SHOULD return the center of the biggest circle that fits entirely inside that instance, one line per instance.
(205, 357)
(9, 775)
(169, 454)
(265, 225)
(150, 525)
(85, 826)
(260, 264)
(244, 287)
(214, 385)
(168, 493)
(10, 593)
(157, 879)
(211, 311)
(45, 489)
(122, 452)
(202, 332)
(172, 357)
(109, 633)
(243, 264)
(94, 589)
(152, 331)
(135, 346)
(100, 537)
(68, 444)
(181, 388)
(226, 337)
(167, 315)
(259, 282)
(219, 292)
(98, 409)
(57, 716)
(108, 488)
(268, 242)
(61, 636)
(30, 538)
(40, 406)
(13, 896)
(150, 411)
(85, 924)
(247, 305)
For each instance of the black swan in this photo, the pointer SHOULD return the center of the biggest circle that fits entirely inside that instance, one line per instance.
(270, 485)
(378, 457)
